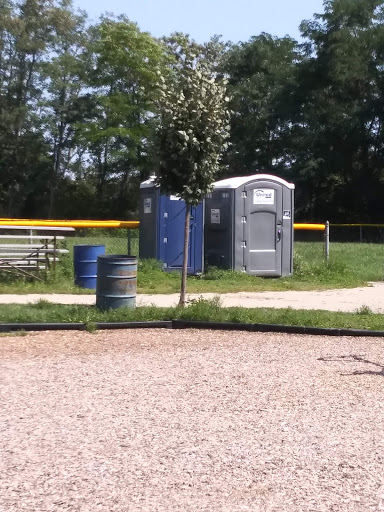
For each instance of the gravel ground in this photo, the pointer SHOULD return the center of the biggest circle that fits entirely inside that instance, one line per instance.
(158, 420)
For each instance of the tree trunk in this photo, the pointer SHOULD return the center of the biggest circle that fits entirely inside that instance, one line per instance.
(183, 289)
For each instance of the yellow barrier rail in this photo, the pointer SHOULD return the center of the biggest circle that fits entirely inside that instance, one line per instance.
(134, 224)
(127, 224)
(310, 227)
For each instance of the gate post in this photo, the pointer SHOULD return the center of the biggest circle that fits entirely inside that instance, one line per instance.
(327, 241)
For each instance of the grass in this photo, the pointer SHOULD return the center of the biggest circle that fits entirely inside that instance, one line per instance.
(203, 310)
(350, 265)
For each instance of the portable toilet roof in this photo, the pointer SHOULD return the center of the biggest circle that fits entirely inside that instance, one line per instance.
(242, 180)
(148, 183)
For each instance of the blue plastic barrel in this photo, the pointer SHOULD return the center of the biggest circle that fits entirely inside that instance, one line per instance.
(116, 281)
(85, 264)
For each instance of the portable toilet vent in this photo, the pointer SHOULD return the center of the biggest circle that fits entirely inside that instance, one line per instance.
(162, 220)
(249, 225)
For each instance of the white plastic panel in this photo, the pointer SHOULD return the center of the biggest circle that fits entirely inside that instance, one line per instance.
(243, 180)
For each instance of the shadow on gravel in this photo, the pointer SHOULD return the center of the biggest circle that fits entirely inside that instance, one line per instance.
(356, 358)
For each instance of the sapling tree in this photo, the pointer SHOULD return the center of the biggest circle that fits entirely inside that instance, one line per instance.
(193, 126)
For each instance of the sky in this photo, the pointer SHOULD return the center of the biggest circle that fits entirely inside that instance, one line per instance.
(234, 20)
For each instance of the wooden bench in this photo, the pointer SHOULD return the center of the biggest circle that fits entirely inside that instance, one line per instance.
(31, 252)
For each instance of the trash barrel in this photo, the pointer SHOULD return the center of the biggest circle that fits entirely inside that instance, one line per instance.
(85, 264)
(116, 281)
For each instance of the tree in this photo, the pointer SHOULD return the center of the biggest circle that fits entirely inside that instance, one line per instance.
(64, 75)
(116, 129)
(262, 74)
(35, 44)
(339, 123)
(193, 127)
(26, 33)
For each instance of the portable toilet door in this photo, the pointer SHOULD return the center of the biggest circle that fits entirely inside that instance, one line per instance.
(219, 229)
(263, 227)
(171, 235)
(148, 217)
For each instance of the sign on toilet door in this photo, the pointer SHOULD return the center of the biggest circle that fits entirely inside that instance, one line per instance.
(215, 216)
(263, 196)
(147, 205)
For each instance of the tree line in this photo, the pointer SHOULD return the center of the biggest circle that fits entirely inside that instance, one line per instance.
(79, 117)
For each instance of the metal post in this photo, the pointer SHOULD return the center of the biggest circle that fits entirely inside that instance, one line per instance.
(54, 252)
(129, 236)
(327, 241)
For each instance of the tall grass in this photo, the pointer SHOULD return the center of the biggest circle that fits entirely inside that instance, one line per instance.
(350, 265)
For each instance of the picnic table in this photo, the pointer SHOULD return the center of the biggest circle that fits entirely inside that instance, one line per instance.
(26, 250)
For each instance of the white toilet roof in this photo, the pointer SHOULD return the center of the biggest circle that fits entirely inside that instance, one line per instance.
(233, 182)
(148, 183)
(242, 180)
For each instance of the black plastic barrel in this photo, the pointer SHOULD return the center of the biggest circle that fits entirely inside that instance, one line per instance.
(85, 264)
(116, 281)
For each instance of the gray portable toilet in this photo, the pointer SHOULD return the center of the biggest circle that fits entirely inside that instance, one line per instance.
(249, 225)
(162, 220)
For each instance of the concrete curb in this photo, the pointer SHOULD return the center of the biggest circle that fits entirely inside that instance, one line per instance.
(190, 324)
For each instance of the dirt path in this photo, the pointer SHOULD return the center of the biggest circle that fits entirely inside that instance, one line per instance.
(350, 299)
(191, 421)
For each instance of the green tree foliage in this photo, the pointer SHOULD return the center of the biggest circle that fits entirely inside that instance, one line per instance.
(193, 121)
(339, 121)
(39, 77)
(76, 105)
(64, 79)
(262, 76)
(26, 34)
(193, 126)
(78, 112)
(116, 129)
(313, 112)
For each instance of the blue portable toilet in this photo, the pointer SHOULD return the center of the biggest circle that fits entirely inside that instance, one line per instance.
(162, 220)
